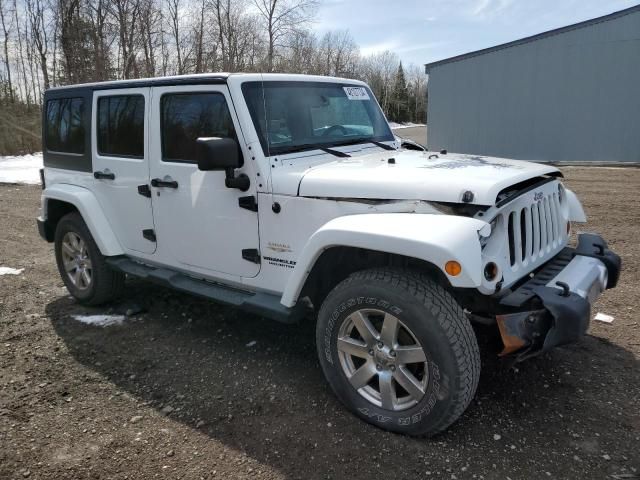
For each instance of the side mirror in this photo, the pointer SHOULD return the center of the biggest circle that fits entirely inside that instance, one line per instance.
(218, 154)
(222, 154)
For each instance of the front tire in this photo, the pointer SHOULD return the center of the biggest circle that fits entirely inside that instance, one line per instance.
(398, 351)
(82, 267)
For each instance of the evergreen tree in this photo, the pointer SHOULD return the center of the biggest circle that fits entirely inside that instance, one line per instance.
(400, 96)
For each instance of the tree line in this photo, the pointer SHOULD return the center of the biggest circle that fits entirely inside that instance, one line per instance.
(47, 43)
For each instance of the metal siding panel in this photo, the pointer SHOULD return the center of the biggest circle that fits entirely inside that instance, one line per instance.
(571, 96)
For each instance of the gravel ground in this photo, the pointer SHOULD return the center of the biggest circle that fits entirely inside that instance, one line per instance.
(189, 389)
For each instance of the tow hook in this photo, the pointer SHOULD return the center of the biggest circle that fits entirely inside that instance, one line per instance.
(565, 289)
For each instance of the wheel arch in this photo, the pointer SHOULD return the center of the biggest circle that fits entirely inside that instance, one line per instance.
(347, 244)
(60, 200)
(336, 263)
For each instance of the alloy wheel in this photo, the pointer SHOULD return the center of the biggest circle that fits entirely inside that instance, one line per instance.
(382, 359)
(76, 261)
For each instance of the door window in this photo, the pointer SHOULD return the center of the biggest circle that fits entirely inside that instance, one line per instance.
(121, 126)
(187, 116)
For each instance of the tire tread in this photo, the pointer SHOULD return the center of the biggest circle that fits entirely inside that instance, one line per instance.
(452, 320)
(109, 283)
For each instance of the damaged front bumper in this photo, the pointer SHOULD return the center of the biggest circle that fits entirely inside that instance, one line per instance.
(554, 306)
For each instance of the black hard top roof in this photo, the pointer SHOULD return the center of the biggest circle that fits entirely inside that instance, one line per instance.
(197, 79)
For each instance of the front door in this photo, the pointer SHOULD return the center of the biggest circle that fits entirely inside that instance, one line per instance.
(120, 130)
(199, 224)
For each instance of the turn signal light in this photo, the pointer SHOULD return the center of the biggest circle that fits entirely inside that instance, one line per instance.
(453, 268)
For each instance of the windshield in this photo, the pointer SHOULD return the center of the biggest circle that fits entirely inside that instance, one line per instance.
(296, 116)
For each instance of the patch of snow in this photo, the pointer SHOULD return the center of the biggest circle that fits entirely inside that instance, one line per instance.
(21, 169)
(11, 271)
(396, 126)
(603, 317)
(100, 320)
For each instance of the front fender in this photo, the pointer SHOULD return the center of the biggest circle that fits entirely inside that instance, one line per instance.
(89, 207)
(433, 238)
(576, 212)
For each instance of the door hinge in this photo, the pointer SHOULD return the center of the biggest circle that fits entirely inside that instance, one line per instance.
(248, 203)
(144, 190)
(251, 254)
(149, 234)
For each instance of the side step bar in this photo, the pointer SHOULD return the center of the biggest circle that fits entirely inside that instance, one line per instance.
(258, 303)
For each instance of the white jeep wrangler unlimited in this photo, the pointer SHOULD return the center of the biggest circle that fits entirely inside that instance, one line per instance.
(285, 193)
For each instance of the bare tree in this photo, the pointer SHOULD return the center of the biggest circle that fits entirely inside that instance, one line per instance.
(36, 11)
(47, 42)
(237, 38)
(73, 42)
(282, 18)
(199, 39)
(21, 53)
(301, 55)
(126, 15)
(32, 63)
(54, 34)
(221, 9)
(379, 72)
(5, 32)
(102, 38)
(174, 18)
(339, 53)
(150, 25)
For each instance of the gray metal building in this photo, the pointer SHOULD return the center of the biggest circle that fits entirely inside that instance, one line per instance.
(571, 94)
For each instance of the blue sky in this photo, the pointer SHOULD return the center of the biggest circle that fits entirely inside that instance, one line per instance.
(422, 31)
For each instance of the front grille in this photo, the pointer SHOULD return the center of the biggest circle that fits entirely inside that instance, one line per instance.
(534, 230)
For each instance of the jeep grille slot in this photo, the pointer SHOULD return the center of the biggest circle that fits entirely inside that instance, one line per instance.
(533, 231)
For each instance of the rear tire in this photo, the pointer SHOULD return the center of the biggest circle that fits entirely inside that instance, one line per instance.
(398, 351)
(82, 267)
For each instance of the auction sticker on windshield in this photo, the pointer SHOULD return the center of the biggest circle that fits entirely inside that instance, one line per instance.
(356, 93)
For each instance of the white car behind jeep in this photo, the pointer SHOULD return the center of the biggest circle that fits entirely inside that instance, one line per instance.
(282, 194)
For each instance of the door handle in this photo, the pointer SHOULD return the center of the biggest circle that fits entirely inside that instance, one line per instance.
(106, 175)
(158, 182)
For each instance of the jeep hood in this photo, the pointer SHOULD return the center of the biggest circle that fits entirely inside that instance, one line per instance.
(411, 175)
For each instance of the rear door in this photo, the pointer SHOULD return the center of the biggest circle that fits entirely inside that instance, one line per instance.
(199, 223)
(120, 134)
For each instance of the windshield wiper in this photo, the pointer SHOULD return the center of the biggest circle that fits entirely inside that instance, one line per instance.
(337, 153)
(357, 141)
(313, 146)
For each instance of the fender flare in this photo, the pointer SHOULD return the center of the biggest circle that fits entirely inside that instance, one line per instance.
(430, 237)
(89, 207)
(576, 212)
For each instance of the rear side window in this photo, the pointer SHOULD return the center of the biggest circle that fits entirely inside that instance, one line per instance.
(187, 116)
(64, 127)
(121, 126)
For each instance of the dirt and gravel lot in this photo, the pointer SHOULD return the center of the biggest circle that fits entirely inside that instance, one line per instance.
(181, 390)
